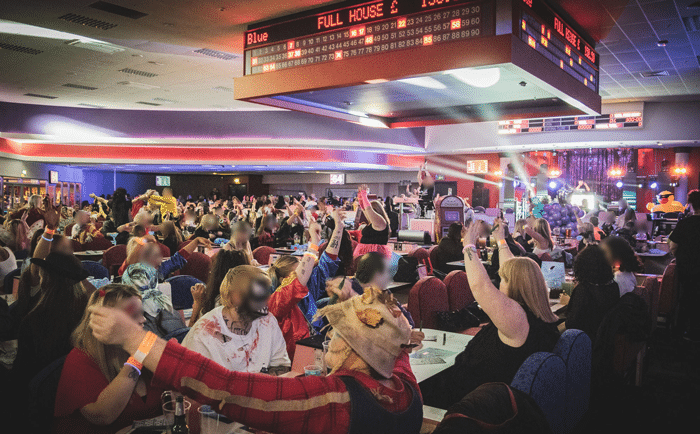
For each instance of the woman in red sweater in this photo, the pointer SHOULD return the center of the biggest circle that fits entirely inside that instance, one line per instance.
(98, 391)
(371, 389)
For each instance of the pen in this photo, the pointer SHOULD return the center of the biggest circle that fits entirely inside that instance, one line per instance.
(444, 338)
(334, 297)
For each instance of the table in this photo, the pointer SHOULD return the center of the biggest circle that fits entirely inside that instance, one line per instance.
(89, 255)
(455, 342)
(655, 263)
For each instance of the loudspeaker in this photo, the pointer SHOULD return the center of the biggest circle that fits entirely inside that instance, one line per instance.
(420, 237)
(480, 197)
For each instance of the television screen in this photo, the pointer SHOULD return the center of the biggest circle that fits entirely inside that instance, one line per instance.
(452, 216)
(162, 181)
(53, 177)
(337, 178)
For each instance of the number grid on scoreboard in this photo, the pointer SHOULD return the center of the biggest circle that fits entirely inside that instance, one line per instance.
(539, 37)
(430, 27)
(571, 123)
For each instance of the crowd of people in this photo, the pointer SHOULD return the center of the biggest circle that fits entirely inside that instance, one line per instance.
(246, 318)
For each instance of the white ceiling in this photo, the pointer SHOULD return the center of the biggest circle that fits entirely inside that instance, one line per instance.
(164, 42)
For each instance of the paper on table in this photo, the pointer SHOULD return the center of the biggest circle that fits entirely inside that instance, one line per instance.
(432, 352)
(427, 361)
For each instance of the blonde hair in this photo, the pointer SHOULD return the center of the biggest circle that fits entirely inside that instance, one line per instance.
(34, 201)
(209, 222)
(109, 358)
(526, 285)
(235, 277)
(542, 228)
(520, 226)
(168, 228)
(137, 247)
(281, 268)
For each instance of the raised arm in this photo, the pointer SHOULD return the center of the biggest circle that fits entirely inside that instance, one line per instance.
(52, 216)
(539, 239)
(377, 221)
(306, 265)
(334, 244)
(499, 233)
(507, 315)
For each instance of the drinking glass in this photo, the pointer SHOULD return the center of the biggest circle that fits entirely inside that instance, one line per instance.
(313, 371)
(208, 420)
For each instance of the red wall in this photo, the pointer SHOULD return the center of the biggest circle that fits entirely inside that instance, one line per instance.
(465, 186)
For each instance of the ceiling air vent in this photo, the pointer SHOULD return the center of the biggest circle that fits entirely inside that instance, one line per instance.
(692, 24)
(118, 10)
(19, 48)
(147, 103)
(138, 85)
(137, 72)
(218, 54)
(36, 95)
(79, 86)
(164, 101)
(87, 21)
(650, 74)
(84, 104)
(223, 88)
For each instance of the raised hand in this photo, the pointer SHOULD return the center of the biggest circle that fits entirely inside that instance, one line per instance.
(198, 292)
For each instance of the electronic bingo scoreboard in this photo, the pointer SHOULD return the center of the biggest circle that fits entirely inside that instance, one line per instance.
(365, 29)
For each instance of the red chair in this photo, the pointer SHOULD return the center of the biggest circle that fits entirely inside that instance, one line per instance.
(668, 291)
(433, 254)
(198, 265)
(428, 296)
(113, 258)
(77, 247)
(262, 254)
(423, 258)
(98, 243)
(68, 230)
(183, 244)
(164, 250)
(459, 294)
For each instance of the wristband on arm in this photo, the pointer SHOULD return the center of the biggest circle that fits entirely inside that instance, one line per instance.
(136, 361)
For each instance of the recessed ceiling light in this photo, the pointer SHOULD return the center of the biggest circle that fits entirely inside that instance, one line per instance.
(662, 43)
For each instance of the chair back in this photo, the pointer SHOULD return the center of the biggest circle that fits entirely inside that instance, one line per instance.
(543, 377)
(98, 243)
(423, 258)
(77, 247)
(433, 255)
(427, 296)
(8, 281)
(574, 347)
(183, 244)
(68, 230)
(546, 257)
(42, 396)
(164, 250)
(180, 290)
(96, 269)
(459, 294)
(262, 254)
(650, 291)
(198, 265)
(668, 290)
(113, 258)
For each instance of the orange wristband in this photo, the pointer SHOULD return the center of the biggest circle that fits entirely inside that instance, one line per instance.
(144, 347)
(313, 247)
(49, 231)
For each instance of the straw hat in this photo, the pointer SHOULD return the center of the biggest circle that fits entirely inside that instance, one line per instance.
(370, 328)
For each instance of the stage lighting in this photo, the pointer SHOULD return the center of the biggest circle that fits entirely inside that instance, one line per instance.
(552, 184)
(619, 184)
(654, 185)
